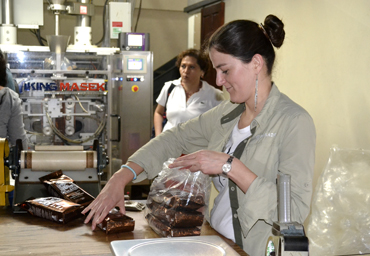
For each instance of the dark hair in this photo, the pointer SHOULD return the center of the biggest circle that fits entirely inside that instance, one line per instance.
(3, 76)
(202, 59)
(244, 38)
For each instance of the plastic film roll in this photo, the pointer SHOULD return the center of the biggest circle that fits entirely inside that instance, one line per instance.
(272, 246)
(58, 160)
(287, 245)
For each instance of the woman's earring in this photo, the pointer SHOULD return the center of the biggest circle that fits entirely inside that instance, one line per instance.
(256, 94)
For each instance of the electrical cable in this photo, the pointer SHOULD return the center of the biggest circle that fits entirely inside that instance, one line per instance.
(39, 35)
(96, 134)
(104, 18)
(138, 15)
(79, 102)
(40, 39)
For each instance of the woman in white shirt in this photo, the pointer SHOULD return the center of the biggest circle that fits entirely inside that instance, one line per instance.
(188, 96)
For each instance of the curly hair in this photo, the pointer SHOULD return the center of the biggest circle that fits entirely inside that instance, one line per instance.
(3, 77)
(202, 59)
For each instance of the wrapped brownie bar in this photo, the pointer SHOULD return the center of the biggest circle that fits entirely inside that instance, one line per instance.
(116, 222)
(177, 219)
(177, 199)
(53, 208)
(60, 185)
(164, 230)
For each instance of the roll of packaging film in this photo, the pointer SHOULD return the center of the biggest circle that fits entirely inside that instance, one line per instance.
(287, 245)
(272, 246)
(55, 160)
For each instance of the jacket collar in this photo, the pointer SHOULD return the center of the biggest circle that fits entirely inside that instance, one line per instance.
(233, 114)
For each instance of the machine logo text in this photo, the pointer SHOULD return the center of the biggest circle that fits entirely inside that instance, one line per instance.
(40, 86)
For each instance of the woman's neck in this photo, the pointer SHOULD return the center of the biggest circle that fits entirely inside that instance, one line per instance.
(190, 89)
(252, 110)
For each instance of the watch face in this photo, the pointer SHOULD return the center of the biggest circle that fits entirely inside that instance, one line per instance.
(226, 168)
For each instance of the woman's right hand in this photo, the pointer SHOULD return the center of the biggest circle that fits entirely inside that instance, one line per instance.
(111, 196)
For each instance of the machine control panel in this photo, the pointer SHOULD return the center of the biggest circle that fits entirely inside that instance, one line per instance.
(135, 78)
(135, 64)
(131, 79)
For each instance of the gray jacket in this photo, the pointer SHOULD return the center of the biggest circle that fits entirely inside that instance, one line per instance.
(283, 140)
(11, 119)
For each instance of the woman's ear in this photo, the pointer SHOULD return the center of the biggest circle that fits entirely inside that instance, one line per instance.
(257, 61)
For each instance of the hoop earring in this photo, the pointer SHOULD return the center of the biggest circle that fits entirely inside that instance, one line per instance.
(256, 94)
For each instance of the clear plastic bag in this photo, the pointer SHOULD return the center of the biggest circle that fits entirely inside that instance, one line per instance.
(177, 202)
(340, 220)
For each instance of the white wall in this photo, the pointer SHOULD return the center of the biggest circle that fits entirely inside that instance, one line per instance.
(322, 65)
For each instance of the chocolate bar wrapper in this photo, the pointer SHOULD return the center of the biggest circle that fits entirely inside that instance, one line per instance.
(177, 199)
(116, 222)
(165, 231)
(60, 185)
(53, 208)
(176, 219)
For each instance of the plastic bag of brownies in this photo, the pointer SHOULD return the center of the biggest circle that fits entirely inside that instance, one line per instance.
(177, 201)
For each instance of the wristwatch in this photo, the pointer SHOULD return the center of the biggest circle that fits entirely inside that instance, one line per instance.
(226, 168)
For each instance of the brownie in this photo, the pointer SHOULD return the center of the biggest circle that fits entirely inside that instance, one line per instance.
(178, 199)
(177, 219)
(166, 231)
(116, 222)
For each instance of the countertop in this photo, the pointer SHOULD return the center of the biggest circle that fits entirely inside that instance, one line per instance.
(24, 234)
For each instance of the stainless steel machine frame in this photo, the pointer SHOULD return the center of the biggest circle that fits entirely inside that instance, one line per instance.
(132, 89)
(77, 98)
(90, 97)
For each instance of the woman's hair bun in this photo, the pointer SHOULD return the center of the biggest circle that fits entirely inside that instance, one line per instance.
(275, 30)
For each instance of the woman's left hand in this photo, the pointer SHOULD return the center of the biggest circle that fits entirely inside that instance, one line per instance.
(206, 161)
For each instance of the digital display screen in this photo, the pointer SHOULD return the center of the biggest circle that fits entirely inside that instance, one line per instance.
(135, 64)
(135, 40)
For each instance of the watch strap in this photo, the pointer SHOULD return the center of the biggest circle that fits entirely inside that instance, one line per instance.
(227, 166)
(231, 158)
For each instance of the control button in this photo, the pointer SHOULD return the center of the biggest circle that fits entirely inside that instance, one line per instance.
(135, 88)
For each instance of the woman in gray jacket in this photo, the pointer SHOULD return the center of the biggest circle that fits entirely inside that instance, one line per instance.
(242, 144)
(11, 119)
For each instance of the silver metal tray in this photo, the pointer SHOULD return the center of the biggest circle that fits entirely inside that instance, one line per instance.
(179, 246)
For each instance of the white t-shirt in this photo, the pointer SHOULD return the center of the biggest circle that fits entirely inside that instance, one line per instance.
(221, 215)
(179, 110)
